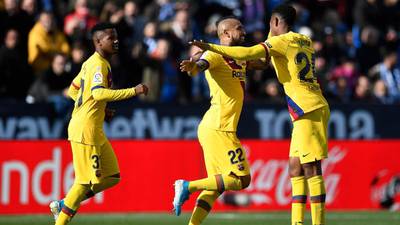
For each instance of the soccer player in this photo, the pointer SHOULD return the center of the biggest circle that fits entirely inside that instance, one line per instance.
(292, 56)
(225, 159)
(95, 163)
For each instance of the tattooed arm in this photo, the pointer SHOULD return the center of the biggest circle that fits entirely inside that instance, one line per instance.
(193, 67)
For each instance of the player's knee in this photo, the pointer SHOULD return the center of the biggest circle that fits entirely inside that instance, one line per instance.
(295, 168)
(246, 180)
(114, 179)
(295, 171)
(312, 169)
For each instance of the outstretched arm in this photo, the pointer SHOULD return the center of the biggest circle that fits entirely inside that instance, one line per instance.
(237, 52)
(193, 67)
(259, 64)
(105, 94)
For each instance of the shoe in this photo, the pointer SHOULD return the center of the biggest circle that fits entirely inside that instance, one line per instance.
(55, 208)
(181, 195)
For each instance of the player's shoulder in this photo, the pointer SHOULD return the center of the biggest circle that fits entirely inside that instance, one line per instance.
(96, 62)
(210, 56)
(299, 39)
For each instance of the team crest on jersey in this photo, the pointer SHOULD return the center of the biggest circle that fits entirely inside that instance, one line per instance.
(98, 78)
(240, 167)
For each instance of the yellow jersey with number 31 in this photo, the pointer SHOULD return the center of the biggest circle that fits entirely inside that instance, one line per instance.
(292, 56)
(86, 125)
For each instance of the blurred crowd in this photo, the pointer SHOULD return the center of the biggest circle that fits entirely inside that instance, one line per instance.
(45, 42)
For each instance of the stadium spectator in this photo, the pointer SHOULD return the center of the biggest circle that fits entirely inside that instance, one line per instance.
(30, 7)
(52, 86)
(272, 92)
(339, 91)
(12, 17)
(389, 72)
(79, 54)
(15, 73)
(44, 41)
(380, 94)
(179, 32)
(79, 22)
(170, 80)
(368, 54)
(362, 90)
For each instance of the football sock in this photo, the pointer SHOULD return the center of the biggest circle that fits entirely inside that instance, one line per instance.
(203, 206)
(317, 198)
(71, 203)
(104, 184)
(218, 183)
(299, 199)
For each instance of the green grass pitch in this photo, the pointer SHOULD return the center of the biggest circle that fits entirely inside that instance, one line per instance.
(266, 218)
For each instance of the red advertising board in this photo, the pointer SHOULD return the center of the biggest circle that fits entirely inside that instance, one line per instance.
(35, 172)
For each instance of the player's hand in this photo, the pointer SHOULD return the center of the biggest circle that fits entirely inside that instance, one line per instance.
(200, 44)
(187, 65)
(141, 89)
(109, 114)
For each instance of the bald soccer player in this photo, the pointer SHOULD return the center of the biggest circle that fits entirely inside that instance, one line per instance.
(225, 158)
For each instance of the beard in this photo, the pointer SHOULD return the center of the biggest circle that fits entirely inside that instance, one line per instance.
(238, 41)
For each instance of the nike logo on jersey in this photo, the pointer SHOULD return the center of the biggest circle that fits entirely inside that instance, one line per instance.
(304, 155)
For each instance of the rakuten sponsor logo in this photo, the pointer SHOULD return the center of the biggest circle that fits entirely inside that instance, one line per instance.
(31, 185)
(271, 182)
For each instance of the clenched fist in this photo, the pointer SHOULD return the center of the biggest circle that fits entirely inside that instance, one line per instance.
(141, 89)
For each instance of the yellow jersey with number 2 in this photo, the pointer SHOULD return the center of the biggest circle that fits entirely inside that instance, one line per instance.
(293, 58)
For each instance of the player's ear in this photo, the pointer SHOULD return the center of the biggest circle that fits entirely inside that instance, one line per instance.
(227, 33)
(276, 21)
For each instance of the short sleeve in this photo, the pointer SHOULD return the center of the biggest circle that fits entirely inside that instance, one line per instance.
(277, 45)
(212, 59)
(99, 77)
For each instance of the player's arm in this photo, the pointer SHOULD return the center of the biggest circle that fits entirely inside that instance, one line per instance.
(237, 52)
(207, 60)
(260, 64)
(101, 93)
(193, 67)
(73, 89)
(274, 46)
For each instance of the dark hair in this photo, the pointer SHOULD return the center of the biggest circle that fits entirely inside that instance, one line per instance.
(102, 26)
(225, 18)
(287, 12)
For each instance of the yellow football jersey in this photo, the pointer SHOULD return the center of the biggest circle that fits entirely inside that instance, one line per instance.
(293, 58)
(86, 125)
(226, 79)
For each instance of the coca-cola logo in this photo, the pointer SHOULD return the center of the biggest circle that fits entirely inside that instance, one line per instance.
(271, 183)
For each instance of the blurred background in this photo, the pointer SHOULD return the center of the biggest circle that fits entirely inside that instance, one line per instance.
(44, 43)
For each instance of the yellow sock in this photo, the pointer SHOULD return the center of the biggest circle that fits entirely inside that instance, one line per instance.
(203, 206)
(317, 198)
(299, 199)
(104, 184)
(218, 183)
(75, 196)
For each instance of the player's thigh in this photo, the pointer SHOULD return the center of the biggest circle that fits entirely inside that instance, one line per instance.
(108, 160)
(231, 154)
(86, 163)
(309, 136)
(206, 139)
(224, 153)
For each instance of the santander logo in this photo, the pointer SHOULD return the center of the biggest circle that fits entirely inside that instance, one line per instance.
(271, 183)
